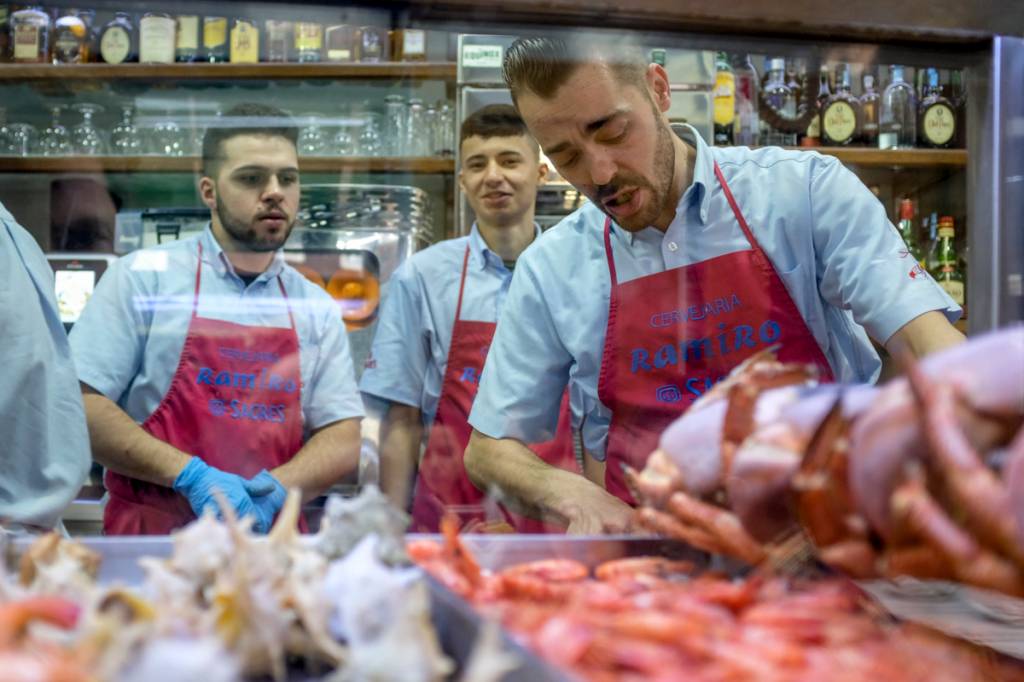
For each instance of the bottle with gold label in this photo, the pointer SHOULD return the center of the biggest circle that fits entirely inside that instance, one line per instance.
(341, 43)
(812, 138)
(215, 39)
(936, 125)
(117, 40)
(372, 44)
(30, 36)
(157, 33)
(947, 271)
(724, 100)
(70, 39)
(840, 117)
(869, 111)
(309, 41)
(408, 45)
(278, 38)
(245, 42)
(186, 43)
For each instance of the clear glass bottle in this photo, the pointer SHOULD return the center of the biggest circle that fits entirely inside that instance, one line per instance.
(724, 100)
(157, 33)
(416, 134)
(70, 39)
(840, 115)
(395, 125)
(186, 46)
(30, 36)
(936, 117)
(897, 119)
(117, 40)
(278, 38)
(215, 39)
(446, 126)
(309, 41)
(782, 99)
(245, 42)
(372, 44)
(869, 111)
(747, 129)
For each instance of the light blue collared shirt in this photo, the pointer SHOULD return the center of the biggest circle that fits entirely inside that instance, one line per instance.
(828, 237)
(45, 452)
(128, 341)
(410, 346)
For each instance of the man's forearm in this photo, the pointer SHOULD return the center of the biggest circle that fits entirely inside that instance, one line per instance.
(925, 334)
(122, 446)
(401, 432)
(330, 453)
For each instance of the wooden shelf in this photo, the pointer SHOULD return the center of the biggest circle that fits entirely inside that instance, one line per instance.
(187, 164)
(204, 71)
(894, 158)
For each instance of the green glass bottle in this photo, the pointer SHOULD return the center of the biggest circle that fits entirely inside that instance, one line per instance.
(947, 271)
(906, 228)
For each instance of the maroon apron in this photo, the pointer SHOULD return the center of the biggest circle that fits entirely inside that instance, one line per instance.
(234, 402)
(442, 483)
(674, 334)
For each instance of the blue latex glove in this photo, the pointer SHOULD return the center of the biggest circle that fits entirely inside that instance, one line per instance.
(198, 480)
(268, 496)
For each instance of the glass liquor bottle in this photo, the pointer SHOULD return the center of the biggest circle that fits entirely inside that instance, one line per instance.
(5, 34)
(747, 130)
(408, 45)
(869, 112)
(117, 40)
(70, 39)
(245, 42)
(215, 39)
(30, 36)
(813, 136)
(959, 100)
(906, 228)
(841, 113)
(309, 41)
(186, 44)
(897, 124)
(724, 100)
(782, 99)
(278, 38)
(371, 44)
(341, 43)
(936, 118)
(157, 32)
(947, 271)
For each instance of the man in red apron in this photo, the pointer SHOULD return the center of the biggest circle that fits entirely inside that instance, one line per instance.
(208, 365)
(436, 326)
(690, 259)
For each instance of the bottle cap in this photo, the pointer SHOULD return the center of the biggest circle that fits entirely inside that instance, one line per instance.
(906, 209)
(946, 226)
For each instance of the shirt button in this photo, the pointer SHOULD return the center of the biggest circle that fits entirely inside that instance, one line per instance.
(672, 246)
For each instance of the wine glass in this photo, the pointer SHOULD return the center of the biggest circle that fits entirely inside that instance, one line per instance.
(88, 139)
(370, 142)
(124, 138)
(24, 139)
(55, 140)
(311, 140)
(5, 134)
(168, 138)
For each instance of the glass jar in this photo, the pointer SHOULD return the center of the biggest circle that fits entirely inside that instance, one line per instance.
(30, 35)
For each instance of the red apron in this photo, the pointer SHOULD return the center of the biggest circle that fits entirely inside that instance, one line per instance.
(673, 334)
(234, 401)
(442, 483)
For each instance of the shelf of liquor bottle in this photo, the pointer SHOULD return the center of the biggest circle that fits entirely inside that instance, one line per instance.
(186, 164)
(206, 71)
(903, 158)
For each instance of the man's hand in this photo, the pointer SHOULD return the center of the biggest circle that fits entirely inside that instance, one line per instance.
(267, 503)
(599, 513)
(198, 481)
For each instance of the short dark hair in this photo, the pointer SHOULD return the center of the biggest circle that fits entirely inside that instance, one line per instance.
(244, 119)
(542, 65)
(495, 120)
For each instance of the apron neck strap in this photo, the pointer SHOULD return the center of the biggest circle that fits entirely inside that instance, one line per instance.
(280, 284)
(462, 284)
(735, 208)
(608, 250)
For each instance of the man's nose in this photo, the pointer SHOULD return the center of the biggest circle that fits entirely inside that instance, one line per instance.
(601, 168)
(273, 188)
(492, 174)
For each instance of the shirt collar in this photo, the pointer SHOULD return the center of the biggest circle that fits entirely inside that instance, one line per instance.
(214, 256)
(482, 254)
(697, 193)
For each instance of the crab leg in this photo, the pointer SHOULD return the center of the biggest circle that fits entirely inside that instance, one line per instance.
(667, 525)
(972, 485)
(723, 525)
(659, 479)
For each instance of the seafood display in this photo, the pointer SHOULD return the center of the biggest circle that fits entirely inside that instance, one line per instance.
(651, 618)
(923, 476)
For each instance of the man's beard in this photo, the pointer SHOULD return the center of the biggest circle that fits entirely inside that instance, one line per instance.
(660, 190)
(244, 235)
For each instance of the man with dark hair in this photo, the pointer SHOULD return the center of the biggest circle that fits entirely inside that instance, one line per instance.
(208, 364)
(686, 260)
(436, 324)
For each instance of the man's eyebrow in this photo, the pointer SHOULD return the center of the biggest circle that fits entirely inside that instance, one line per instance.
(264, 169)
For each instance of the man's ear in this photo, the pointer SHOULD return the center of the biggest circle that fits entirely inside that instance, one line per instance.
(658, 85)
(208, 192)
(542, 173)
